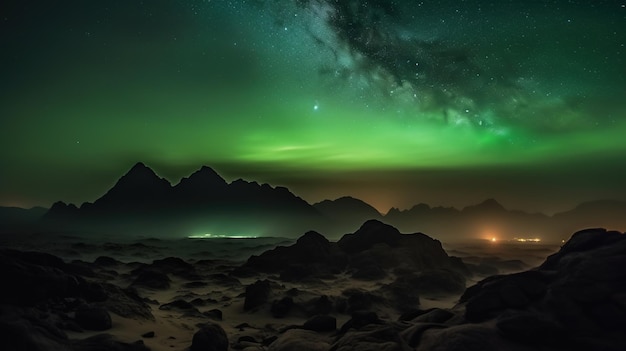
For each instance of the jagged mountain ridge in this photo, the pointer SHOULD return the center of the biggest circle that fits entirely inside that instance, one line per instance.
(206, 200)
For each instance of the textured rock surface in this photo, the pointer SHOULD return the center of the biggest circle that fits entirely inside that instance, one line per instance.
(211, 337)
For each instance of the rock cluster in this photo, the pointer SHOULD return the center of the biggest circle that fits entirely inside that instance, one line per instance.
(370, 253)
(43, 296)
(574, 301)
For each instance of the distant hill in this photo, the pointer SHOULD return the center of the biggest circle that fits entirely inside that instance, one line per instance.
(346, 212)
(143, 203)
(20, 219)
(491, 219)
(610, 214)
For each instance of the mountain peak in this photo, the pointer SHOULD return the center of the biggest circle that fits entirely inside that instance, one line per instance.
(140, 169)
(140, 185)
(489, 205)
(206, 175)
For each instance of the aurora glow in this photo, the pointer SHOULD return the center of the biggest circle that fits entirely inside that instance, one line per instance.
(394, 102)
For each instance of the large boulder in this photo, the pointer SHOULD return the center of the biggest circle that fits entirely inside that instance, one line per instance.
(382, 244)
(175, 266)
(106, 342)
(311, 255)
(24, 329)
(466, 337)
(257, 294)
(153, 279)
(34, 277)
(300, 340)
(210, 337)
(573, 300)
(371, 233)
(321, 323)
(93, 318)
(371, 338)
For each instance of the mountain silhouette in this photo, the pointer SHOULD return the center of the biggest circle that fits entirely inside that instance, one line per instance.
(204, 202)
(347, 207)
(140, 190)
(487, 207)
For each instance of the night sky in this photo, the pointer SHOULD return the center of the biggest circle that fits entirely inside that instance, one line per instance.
(393, 102)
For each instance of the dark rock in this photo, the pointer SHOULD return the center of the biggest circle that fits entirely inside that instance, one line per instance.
(435, 315)
(581, 241)
(387, 248)
(318, 305)
(175, 266)
(311, 255)
(321, 323)
(196, 284)
(300, 340)
(148, 335)
(247, 338)
(257, 294)
(402, 293)
(483, 269)
(152, 279)
(22, 330)
(93, 318)
(439, 281)
(92, 291)
(280, 308)
(242, 326)
(513, 296)
(296, 272)
(34, 277)
(371, 233)
(369, 272)
(371, 338)
(214, 314)
(269, 340)
(106, 342)
(211, 337)
(80, 268)
(126, 302)
(468, 337)
(225, 280)
(359, 320)
(483, 306)
(358, 300)
(570, 314)
(529, 328)
(180, 306)
(105, 261)
(413, 334)
(608, 315)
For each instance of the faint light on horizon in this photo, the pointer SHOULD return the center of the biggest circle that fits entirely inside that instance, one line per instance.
(527, 240)
(220, 236)
(493, 240)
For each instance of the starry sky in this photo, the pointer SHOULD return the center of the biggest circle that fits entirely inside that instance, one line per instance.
(394, 102)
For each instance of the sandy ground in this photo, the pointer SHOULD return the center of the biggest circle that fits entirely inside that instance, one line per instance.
(174, 331)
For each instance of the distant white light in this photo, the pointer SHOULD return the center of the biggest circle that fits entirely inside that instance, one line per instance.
(316, 107)
(527, 240)
(221, 236)
(493, 240)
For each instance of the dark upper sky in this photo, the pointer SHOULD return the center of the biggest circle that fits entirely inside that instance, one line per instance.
(394, 102)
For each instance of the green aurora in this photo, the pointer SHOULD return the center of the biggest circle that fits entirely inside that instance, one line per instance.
(395, 103)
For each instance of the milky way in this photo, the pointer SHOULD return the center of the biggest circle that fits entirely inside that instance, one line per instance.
(396, 102)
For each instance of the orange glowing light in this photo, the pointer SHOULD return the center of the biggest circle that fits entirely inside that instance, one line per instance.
(493, 240)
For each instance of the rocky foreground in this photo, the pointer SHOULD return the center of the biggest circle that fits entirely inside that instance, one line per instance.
(360, 293)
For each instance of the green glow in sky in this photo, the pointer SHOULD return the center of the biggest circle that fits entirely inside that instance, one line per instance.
(456, 104)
